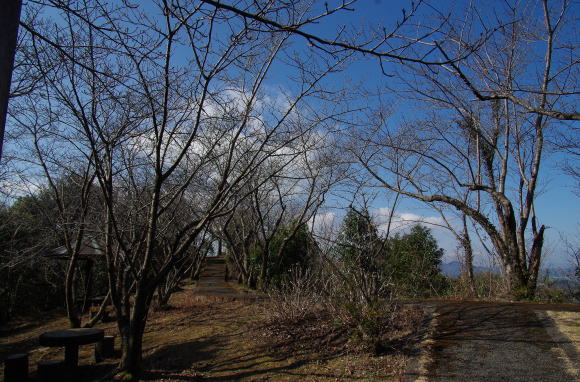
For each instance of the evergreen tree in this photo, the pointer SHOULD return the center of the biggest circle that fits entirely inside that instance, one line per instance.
(358, 242)
(413, 262)
(286, 251)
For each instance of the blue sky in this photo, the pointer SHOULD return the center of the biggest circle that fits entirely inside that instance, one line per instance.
(557, 204)
(557, 207)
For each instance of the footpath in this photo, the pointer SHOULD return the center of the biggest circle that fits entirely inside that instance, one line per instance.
(479, 341)
(212, 285)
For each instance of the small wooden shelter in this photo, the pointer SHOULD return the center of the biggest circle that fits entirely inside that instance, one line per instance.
(89, 252)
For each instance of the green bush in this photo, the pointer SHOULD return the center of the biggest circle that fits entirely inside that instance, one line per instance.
(413, 261)
(409, 262)
(296, 252)
(553, 295)
(367, 322)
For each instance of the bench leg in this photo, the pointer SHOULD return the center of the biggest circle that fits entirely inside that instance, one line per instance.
(71, 356)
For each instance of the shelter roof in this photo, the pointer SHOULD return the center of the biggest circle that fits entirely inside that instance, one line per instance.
(90, 249)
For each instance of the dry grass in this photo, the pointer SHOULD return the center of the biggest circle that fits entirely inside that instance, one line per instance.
(569, 324)
(564, 329)
(318, 335)
(240, 341)
(223, 342)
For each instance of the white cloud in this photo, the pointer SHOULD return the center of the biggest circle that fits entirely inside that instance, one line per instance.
(403, 220)
(324, 222)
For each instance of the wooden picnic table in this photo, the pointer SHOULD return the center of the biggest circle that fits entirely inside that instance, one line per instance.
(71, 339)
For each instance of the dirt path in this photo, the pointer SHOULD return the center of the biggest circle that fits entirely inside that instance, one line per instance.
(213, 287)
(502, 342)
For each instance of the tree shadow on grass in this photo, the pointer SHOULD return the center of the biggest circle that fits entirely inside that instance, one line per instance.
(179, 357)
(305, 348)
(195, 364)
(198, 360)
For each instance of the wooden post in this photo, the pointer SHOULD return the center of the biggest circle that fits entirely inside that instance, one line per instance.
(16, 368)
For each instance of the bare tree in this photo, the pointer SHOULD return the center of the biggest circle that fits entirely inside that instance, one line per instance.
(465, 243)
(552, 92)
(483, 157)
(278, 202)
(400, 43)
(160, 130)
(567, 142)
(68, 177)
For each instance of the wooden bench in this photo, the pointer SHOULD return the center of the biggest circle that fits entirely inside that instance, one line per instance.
(16, 367)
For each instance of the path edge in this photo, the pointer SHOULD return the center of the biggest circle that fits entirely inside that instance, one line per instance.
(417, 369)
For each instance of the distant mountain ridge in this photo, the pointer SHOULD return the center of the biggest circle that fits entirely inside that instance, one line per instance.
(453, 270)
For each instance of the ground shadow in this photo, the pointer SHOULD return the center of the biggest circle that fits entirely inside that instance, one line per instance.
(473, 338)
(196, 364)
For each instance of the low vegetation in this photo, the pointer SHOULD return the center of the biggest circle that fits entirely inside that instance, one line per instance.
(236, 340)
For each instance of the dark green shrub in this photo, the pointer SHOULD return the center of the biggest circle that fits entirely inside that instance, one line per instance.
(367, 322)
(413, 261)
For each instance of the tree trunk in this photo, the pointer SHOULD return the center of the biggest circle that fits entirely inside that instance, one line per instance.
(469, 269)
(535, 258)
(132, 337)
(88, 285)
(9, 18)
(100, 313)
(131, 349)
(262, 282)
(468, 252)
(518, 280)
(71, 310)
